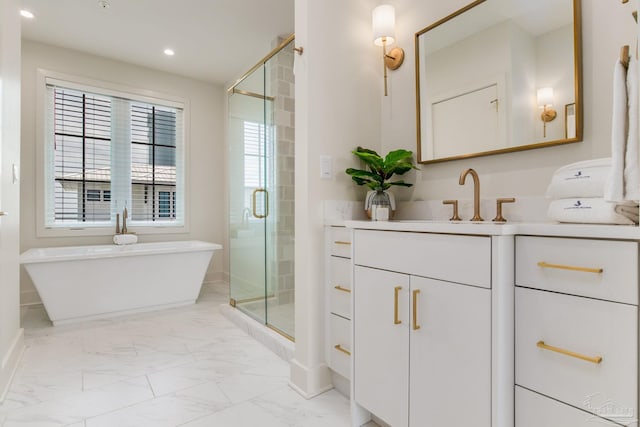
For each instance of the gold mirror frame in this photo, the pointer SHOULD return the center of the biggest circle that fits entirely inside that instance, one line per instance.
(577, 60)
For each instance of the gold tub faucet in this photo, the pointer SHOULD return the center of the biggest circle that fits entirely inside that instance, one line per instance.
(476, 192)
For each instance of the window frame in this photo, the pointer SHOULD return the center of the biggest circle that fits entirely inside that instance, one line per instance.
(45, 77)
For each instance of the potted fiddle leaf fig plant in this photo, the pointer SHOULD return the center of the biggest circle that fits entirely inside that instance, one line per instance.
(377, 177)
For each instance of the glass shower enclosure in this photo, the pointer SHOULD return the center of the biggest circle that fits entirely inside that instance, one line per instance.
(261, 191)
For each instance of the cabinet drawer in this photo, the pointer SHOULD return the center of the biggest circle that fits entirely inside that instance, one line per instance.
(588, 327)
(340, 335)
(340, 241)
(618, 280)
(340, 286)
(535, 410)
(454, 258)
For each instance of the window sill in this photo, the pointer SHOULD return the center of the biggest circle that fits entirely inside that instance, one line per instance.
(109, 231)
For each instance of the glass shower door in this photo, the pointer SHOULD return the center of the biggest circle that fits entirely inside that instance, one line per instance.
(247, 196)
(261, 168)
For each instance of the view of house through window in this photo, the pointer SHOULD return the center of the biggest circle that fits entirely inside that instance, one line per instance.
(108, 153)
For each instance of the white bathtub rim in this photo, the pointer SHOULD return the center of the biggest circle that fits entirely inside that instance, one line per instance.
(78, 253)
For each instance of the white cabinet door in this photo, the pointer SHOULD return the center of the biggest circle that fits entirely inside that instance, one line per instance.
(381, 344)
(450, 359)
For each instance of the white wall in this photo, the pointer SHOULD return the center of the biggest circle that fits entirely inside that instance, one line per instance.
(606, 27)
(206, 210)
(338, 87)
(11, 336)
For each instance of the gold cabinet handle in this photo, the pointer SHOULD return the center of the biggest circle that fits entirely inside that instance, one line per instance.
(342, 349)
(415, 310)
(340, 288)
(2, 213)
(266, 202)
(570, 267)
(340, 242)
(596, 359)
(396, 292)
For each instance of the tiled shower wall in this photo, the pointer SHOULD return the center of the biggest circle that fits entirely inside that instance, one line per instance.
(282, 83)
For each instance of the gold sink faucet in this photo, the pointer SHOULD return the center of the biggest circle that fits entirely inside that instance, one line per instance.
(476, 192)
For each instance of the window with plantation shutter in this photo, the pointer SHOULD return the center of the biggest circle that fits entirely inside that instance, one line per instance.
(109, 150)
(82, 147)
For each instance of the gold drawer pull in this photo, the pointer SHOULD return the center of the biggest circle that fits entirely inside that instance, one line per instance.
(340, 288)
(342, 349)
(340, 242)
(396, 291)
(415, 310)
(544, 346)
(570, 267)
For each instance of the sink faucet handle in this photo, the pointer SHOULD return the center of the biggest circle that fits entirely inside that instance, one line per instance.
(499, 202)
(455, 216)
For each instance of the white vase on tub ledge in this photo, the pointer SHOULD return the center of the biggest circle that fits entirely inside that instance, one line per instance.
(379, 212)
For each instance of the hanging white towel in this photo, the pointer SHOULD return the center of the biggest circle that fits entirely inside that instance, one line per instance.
(632, 160)
(614, 191)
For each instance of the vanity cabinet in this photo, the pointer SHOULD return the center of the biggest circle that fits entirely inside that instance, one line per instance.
(424, 336)
(576, 331)
(338, 271)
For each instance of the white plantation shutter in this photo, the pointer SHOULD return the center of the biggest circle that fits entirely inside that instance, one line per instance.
(254, 163)
(107, 151)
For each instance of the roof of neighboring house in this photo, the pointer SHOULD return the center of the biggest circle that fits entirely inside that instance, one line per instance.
(140, 174)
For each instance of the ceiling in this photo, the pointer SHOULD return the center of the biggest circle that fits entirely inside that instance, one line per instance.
(215, 41)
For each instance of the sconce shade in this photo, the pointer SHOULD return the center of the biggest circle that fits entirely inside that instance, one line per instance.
(545, 96)
(384, 23)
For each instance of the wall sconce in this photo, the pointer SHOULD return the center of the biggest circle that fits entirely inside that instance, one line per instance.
(545, 101)
(384, 23)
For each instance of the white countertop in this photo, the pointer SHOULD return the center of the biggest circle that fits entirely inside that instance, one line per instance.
(488, 228)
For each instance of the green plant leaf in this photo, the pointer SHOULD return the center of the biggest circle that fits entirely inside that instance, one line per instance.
(398, 162)
(371, 158)
(362, 177)
(400, 183)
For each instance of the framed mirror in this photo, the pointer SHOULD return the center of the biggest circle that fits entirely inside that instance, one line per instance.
(499, 76)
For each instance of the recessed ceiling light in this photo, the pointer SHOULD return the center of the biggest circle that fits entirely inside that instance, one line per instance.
(25, 13)
(169, 52)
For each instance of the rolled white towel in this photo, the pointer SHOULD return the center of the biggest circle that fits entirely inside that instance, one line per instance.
(593, 210)
(581, 179)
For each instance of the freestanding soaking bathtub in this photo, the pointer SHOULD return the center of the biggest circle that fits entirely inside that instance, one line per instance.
(95, 282)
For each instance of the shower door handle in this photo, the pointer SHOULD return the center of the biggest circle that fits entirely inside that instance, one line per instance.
(266, 202)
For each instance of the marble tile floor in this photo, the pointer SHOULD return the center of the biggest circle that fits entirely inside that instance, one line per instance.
(187, 366)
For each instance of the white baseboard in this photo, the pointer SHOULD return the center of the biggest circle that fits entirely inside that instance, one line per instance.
(9, 362)
(309, 382)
